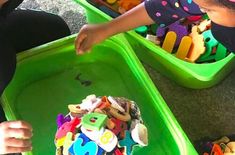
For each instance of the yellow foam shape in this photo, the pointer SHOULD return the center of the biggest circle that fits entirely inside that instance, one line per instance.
(67, 143)
(111, 1)
(184, 47)
(60, 142)
(169, 41)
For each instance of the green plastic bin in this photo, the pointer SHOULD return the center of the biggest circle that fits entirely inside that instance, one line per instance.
(186, 74)
(46, 82)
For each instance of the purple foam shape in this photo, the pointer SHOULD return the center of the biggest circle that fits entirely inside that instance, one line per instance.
(180, 30)
(161, 32)
(176, 27)
(61, 120)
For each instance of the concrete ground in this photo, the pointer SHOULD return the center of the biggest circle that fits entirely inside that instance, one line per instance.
(209, 112)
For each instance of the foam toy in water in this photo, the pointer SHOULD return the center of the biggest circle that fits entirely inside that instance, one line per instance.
(140, 134)
(83, 146)
(67, 127)
(94, 121)
(119, 127)
(67, 143)
(61, 119)
(128, 143)
(112, 126)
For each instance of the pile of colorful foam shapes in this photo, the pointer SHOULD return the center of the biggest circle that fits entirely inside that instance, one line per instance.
(190, 39)
(114, 8)
(101, 125)
(223, 146)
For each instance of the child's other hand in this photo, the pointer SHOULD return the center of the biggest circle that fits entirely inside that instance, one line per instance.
(90, 35)
(15, 137)
(2, 2)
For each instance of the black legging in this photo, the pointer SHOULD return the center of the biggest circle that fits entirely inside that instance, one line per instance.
(21, 30)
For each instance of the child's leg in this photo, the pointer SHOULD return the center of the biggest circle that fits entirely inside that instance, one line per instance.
(26, 28)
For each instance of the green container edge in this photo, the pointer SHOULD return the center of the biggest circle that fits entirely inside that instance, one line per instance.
(184, 145)
(189, 75)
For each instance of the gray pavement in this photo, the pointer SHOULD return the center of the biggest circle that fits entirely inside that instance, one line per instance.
(209, 112)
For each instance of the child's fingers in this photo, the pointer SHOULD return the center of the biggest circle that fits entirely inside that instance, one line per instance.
(18, 124)
(11, 149)
(14, 142)
(79, 41)
(19, 133)
(84, 46)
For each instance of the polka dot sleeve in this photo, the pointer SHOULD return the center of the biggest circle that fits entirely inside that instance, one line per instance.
(166, 12)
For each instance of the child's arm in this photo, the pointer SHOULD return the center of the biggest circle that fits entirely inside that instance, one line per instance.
(92, 34)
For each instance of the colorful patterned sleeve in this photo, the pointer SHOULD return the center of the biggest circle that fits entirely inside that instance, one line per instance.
(165, 12)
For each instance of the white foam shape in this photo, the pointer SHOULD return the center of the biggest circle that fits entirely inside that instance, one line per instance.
(92, 98)
(140, 134)
(115, 105)
(89, 105)
(92, 134)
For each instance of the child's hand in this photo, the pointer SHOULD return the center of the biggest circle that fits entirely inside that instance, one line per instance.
(93, 34)
(2, 2)
(90, 35)
(15, 137)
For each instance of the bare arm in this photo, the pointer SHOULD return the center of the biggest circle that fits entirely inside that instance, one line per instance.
(130, 20)
(92, 34)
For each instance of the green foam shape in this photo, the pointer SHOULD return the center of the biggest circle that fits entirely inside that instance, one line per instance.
(94, 121)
